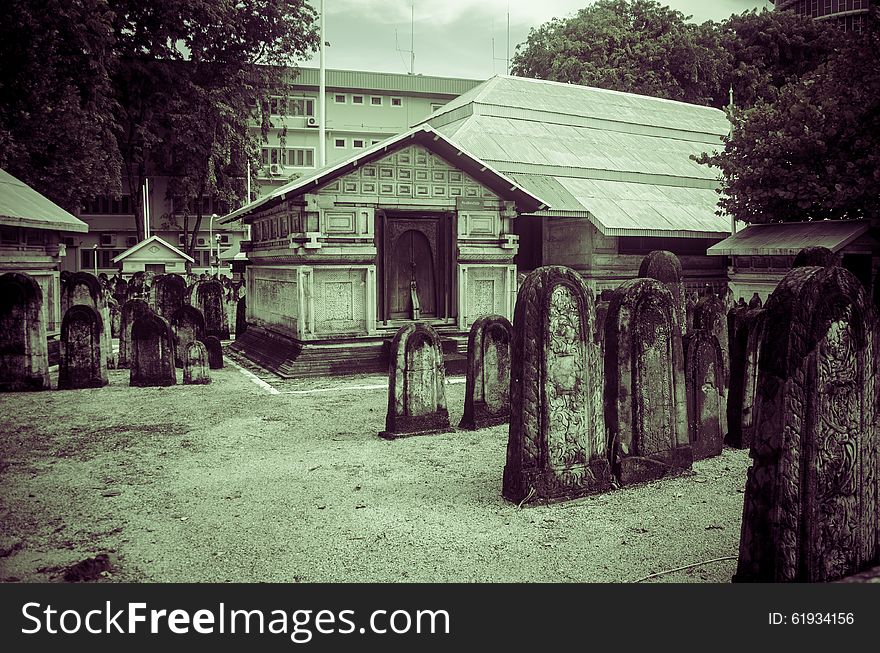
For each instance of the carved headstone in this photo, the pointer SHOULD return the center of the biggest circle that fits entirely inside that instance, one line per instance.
(152, 352)
(710, 314)
(115, 318)
(167, 294)
(703, 370)
(810, 256)
(645, 399)
(209, 299)
(689, 305)
(24, 355)
(416, 384)
(811, 512)
(215, 352)
(755, 301)
(188, 325)
(130, 311)
(665, 267)
(745, 325)
(240, 317)
(86, 289)
(195, 364)
(487, 387)
(556, 446)
(82, 363)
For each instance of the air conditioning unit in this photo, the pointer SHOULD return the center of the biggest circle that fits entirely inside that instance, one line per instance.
(275, 169)
(311, 121)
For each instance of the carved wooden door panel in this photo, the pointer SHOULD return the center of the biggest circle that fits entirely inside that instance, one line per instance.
(413, 259)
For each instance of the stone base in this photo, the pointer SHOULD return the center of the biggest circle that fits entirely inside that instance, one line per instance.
(152, 383)
(557, 484)
(202, 381)
(482, 419)
(89, 383)
(33, 384)
(403, 426)
(708, 448)
(638, 469)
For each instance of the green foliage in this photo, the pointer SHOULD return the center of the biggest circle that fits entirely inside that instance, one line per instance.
(813, 153)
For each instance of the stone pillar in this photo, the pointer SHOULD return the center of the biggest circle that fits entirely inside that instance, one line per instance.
(556, 446)
(416, 384)
(24, 355)
(810, 510)
(487, 389)
(645, 399)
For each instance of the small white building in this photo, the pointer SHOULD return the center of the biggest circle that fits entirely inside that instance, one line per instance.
(152, 255)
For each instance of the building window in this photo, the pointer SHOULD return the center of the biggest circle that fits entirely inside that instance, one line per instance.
(87, 259)
(339, 143)
(301, 106)
(9, 235)
(224, 239)
(358, 142)
(277, 106)
(376, 101)
(357, 99)
(396, 102)
(300, 157)
(339, 98)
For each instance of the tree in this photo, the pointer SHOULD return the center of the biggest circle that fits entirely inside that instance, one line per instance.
(814, 153)
(57, 132)
(637, 46)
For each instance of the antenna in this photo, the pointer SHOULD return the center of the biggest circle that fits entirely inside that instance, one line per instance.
(411, 51)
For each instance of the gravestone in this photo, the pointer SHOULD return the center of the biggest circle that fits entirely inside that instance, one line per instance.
(745, 326)
(167, 294)
(556, 447)
(703, 367)
(755, 301)
(690, 304)
(195, 364)
(240, 317)
(24, 354)
(416, 384)
(209, 299)
(115, 317)
(130, 311)
(215, 352)
(487, 387)
(82, 363)
(188, 325)
(815, 256)
(86, 289)
(810, 510)
(645, 399)
(710, 314)
(665, 267)
(152, 352)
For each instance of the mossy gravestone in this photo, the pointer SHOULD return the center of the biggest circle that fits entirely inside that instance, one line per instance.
(645, 400)
(665, 267)
(86, 289)
(556, 447)
(487, 386)
(810, 511)
(416, 384)
(215, 352)
(188, 325)
(195, 364)
(745, 325)
(167, 294)
(704, 383)
(152, 352)
(210, 299)
(82, 363)
(24, 355)
(130, 311)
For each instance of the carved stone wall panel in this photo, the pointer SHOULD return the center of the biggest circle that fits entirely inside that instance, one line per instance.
(556, 445)
(340, 300)
(811, 505)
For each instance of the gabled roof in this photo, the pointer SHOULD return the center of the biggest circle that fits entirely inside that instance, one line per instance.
(619, 159)
(424, 135)
(22, 206)
(156, 240)
(789, 238)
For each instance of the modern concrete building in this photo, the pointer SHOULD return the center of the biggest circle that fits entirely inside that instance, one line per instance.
(32, 234)
(849, 15)
(362, 109)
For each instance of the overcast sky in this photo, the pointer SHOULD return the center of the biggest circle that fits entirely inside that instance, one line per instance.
(454, 38)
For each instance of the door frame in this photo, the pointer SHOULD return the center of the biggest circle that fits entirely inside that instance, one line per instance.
(444, 268)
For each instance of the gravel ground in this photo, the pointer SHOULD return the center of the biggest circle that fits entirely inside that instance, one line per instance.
(228, 482)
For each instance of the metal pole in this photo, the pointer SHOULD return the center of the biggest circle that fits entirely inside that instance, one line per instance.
(322, 100)
(210, 242)
(95, 250)
(147, 205)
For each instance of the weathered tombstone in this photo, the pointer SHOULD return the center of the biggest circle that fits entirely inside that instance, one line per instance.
(705, 386)
(188, 325)
(115, 317)
(810, 510)
(152, 352)
(810, 256)
(665, 267)
(24, 355)
(689, 305)
(208, 297)
(215, 352)
(710, 314)
(195, 364)
(416, 384)
(86, 289)
(240, 317)
(755, 301)
(130, 311)
(82, 363)
(745, 325)
(645, 400)
(487, 387)
(167, 294)
(556, 447)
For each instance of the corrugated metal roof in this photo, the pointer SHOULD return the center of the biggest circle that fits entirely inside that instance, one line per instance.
(787, 239)
(22, 206)
(357, 80)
